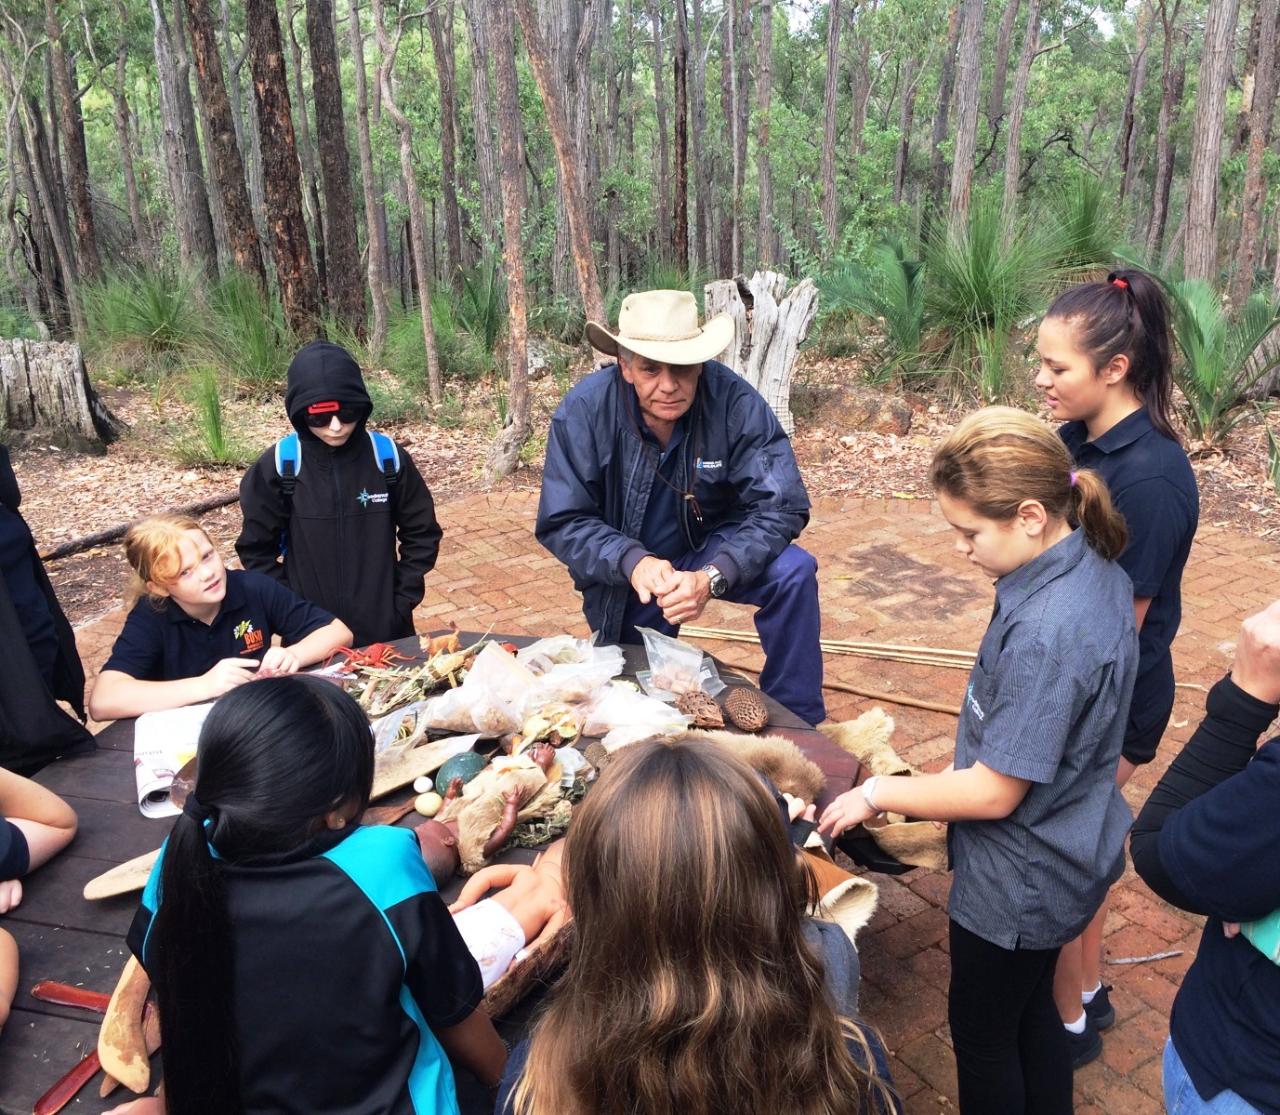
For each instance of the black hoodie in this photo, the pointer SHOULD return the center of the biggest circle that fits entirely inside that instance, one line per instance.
(345, 522)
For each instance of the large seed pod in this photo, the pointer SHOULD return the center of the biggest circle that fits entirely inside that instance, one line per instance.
(701, 708)
(746, 709)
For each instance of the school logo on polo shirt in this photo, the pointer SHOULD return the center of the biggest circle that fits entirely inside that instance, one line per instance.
(251, 635)
(366, 497)
(972, 702)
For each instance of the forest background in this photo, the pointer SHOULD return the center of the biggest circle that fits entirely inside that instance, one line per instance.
(192, 187)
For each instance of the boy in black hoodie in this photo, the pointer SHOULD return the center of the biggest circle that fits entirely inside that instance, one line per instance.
(323, 510)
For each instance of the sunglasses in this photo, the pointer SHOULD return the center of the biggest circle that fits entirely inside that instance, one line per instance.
(342, 414)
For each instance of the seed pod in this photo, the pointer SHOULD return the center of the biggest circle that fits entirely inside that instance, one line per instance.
(746, 709)
(701, 708)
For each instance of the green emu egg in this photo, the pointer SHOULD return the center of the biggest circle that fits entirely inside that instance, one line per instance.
(465, 766)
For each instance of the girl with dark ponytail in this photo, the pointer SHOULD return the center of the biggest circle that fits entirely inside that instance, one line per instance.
(1106, 372)
(1038, 823)
(302, 963)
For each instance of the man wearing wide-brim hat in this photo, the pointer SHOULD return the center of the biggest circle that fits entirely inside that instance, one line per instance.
(669, 481)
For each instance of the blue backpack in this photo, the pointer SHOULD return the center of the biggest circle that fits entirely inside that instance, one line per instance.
(386, 455)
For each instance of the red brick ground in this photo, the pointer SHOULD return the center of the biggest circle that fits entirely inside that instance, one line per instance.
(888, 574)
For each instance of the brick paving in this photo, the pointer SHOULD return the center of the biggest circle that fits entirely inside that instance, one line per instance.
(888, 574)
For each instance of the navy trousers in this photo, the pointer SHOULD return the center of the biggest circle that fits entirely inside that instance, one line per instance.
(787, 619)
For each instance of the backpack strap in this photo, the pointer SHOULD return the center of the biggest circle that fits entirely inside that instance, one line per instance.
(288, 467)
(386, 455)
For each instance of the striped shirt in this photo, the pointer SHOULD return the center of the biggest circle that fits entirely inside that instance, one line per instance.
(1048, 701)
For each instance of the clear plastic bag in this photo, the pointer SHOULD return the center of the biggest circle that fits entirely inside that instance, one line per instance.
(622, 715)
(675, 668)
(398, 731)
(490, 701)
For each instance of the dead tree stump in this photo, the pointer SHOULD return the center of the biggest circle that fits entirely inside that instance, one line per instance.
(769, 324)
(46, 396)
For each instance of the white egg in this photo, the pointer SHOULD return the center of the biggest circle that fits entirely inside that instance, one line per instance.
(428, 804)
(423, 784)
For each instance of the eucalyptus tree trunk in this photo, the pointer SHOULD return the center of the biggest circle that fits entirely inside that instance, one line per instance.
(1260, 114)
(701, 159)
(968, 75)
(566, 161)
(291, 250)
(375, 231)
(194, 182)
(680, 200)
(728, 239)
(660, 110)
(1013, 137)
(830, 203)
(504, 455)
(610, 151)
(120, 100)
(346, 292)
(314, 214)
(224, 151)
(446, 77)
(942, 119)
(766, 235)
(482, 119)
(388, 48)
(1000, 68)
(906, 117)
(86, 239)
(860, 86)
(1172, 80)
(1128, 141)
(1200, 254)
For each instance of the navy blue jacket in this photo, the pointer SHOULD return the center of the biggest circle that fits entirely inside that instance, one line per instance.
(599, 475)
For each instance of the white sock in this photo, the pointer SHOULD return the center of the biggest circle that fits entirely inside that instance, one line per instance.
(1087, 996)
(1076, 1027)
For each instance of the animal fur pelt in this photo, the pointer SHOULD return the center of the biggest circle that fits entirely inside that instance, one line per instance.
(480, 808)
(778, 759)
(919, 843)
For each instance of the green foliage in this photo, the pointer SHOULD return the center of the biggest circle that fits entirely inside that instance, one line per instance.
(562, 319)
(460, 355)
(658, 275)
(1221, 358)
(209, 443)
(394, 400)
(249, 333)
(1081, 229)
(14, 323)
(889, 290)
(155, 312)
(482, 309)
(1273, 455)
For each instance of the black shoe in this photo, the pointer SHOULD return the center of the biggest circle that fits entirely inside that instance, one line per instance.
(1085, 1047)
(1099, 1009)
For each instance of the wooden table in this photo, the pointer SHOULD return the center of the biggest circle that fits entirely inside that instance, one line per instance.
(61, 936)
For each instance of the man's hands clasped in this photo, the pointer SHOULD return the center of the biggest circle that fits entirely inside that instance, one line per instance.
(681, 596)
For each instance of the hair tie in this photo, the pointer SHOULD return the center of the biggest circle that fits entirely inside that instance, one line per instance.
(1118, 280)
(1074, 477)
(196, 810)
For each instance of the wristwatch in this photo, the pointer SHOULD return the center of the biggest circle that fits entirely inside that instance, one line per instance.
(719, 586)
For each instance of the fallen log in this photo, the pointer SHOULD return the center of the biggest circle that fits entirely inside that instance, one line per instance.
(112, 534)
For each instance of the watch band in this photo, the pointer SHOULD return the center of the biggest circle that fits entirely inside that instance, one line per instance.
(719, 586)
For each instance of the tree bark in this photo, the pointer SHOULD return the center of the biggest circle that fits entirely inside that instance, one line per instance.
(727, 240)
(224, 152)
(295, 272)
(680, 203)
(1000, 68)
(830, 202)
(86, 239)
(141, 236)
(968, 75)
(942, 118)
(45, 392)
(313, 213)
(417, 232)
(566, 162)
(442, 50)
(766, 236)
(202, 207)
(482, 119)
(1013, 137)
(1128, 141)
(1172, 81)
(504, 455)
(1200, 255)
(346, 292)
(375, 231)
(701, 160)
(860, 85)
(664, 159)
(906, 118)
(610, 155)
(1261, 111)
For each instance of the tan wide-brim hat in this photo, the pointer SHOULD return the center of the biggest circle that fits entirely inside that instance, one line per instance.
(663, 325)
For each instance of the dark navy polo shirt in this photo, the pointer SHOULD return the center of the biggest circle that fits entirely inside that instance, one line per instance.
(165, 644)
(17, 566)
(661, 533)
(1153, 487)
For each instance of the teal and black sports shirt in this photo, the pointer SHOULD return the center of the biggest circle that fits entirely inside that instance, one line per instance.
(345, 959)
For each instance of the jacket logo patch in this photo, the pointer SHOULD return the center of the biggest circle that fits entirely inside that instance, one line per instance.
(251, 635)
(366, 497)
(972, 702)
(700, 463)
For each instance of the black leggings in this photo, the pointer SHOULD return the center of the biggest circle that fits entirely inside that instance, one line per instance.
(1012, 1055)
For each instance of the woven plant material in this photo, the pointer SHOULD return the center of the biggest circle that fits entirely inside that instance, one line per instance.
(746, 709)
(701, 708)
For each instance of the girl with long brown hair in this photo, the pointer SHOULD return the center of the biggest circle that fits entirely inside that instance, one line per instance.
(1038, 823)
(691, 987)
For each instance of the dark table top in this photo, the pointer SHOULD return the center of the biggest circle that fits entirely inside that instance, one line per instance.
(62, 936)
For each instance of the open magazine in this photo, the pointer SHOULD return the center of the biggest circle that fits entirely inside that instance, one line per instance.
(163, 742)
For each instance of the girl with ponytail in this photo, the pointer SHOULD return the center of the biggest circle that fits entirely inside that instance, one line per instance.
(1038, 823)
(1106, 372)
(302, 963)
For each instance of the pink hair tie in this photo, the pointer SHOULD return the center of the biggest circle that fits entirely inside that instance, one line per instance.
(1074, 478)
